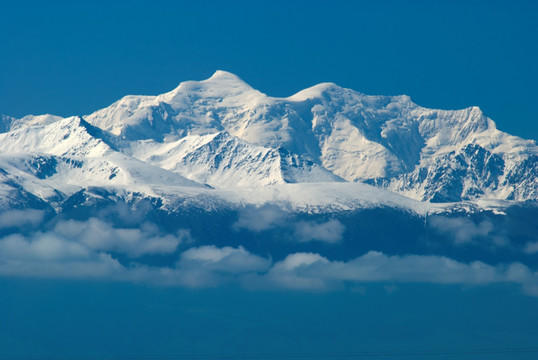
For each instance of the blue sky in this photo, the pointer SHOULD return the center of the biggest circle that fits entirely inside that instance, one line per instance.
(71, 58)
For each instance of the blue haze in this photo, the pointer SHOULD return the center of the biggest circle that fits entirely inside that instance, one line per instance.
(63, 319)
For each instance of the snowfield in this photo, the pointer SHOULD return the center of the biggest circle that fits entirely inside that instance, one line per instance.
(225, 139)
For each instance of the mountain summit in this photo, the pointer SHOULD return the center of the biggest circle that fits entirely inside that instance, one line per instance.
(224, 134)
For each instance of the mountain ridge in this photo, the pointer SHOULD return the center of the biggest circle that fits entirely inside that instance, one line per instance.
(223, 133)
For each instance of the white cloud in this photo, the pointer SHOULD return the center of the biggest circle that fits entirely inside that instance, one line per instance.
(209, 265)
(290, 273)
(227, 259)
(20, 218)
(42, 247)
(261, 218)
(47, 255)
(269, 217)
(330, 231)
(134, 242)
(464, 230)
(298, 260)
(311, 271)
(83, 250)
(531, 248)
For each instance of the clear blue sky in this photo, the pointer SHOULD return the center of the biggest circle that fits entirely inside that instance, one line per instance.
(74, 57)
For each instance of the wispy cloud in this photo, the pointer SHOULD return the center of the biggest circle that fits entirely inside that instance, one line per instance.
(21, 218)
(330, 231)
(210, 265)
(531, 248)
(134, 242)
(49, 255)
(261, 218)
(463, 230)
(89, 250)
(308, 271)
(269, 217)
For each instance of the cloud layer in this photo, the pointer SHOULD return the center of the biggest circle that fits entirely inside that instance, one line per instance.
(20, 218)
(133, 242)
(268, 217)
(464, 231)
(97, 249)
(315, 272)
(46, 255)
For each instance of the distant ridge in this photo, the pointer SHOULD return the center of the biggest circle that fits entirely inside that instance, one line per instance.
(222, 133)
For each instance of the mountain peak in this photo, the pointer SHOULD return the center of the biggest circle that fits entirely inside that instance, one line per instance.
(224, 75)
(315, 91)
(221, 84)
(226, 81)
(387, 140)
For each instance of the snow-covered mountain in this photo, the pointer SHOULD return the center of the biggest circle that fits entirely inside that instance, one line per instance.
(218, 137)
(216, 182)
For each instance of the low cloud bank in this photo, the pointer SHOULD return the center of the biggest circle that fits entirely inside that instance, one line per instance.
(261, 218)
(330, 231)
(268, 217)
(50, 256)
(45, 255)
(464, 231)
(315, 272)
(21, 218)
(531, 248)
(133, 242)
(91, 249)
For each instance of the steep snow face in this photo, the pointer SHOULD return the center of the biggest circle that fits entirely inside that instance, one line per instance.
(361, 137)
(224, 133)
(192, 108)
(62, 137)
(348, 153)
(464, 173)
(223, 160)
(219, 131)
(52, 157)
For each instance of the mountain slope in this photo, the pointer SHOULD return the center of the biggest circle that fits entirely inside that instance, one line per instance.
(54, 159)
(224, 133)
